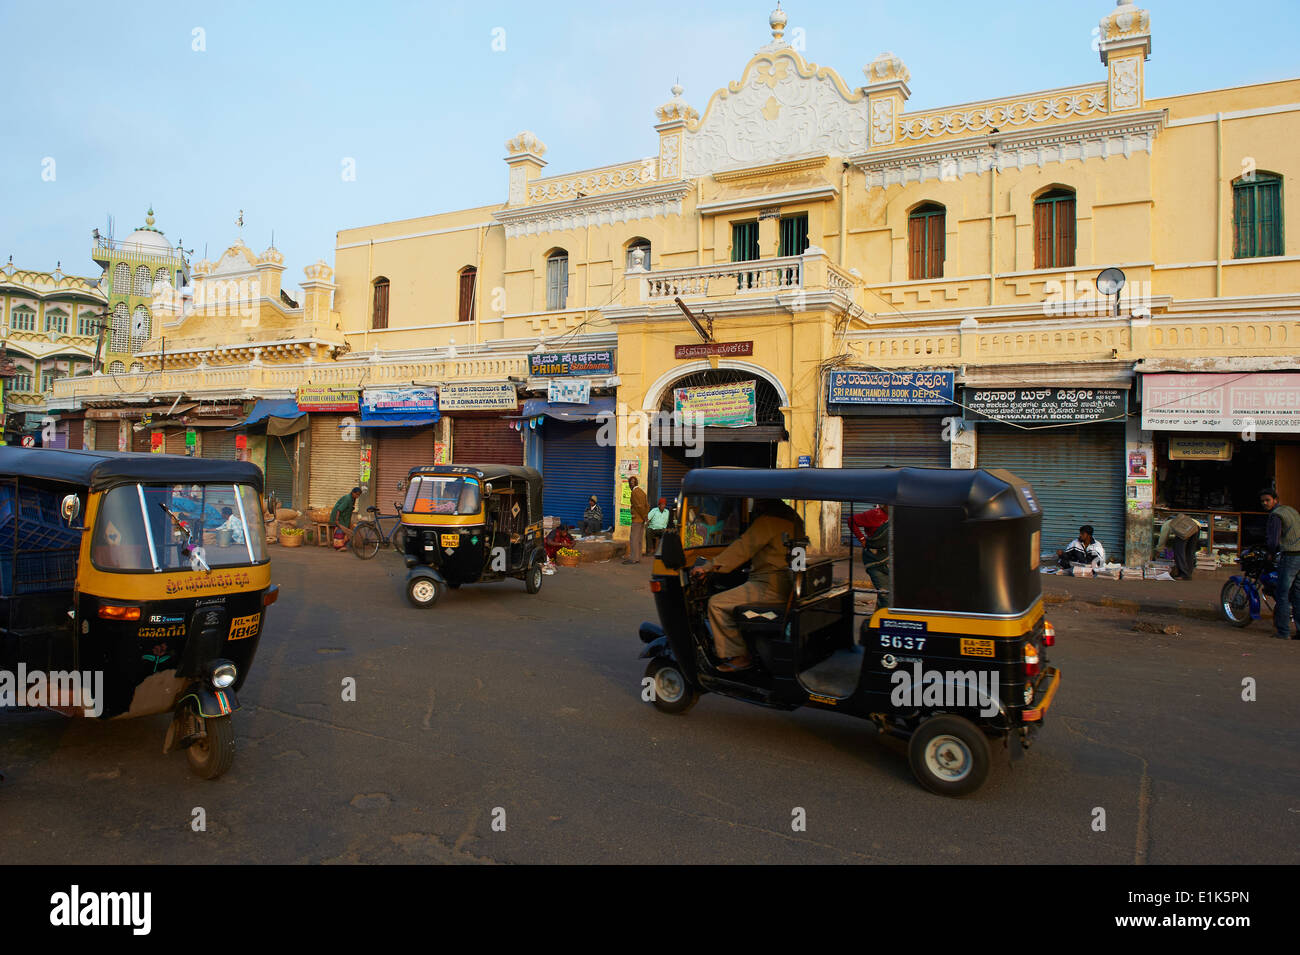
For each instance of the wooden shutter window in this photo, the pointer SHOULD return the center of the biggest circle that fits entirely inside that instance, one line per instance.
(465, 310)
(1042, 235)
(1064, 253)
(925, 242)
(381, 305)
(794, 235)
(916, 247)
(934, 245)
(744, 241)
(557, 282)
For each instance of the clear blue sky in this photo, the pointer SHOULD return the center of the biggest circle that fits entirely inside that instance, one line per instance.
(414, 92)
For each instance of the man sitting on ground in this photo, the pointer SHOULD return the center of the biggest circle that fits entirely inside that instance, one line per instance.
(1084, 549)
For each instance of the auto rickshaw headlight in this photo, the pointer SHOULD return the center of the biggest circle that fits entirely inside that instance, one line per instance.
(223, 674)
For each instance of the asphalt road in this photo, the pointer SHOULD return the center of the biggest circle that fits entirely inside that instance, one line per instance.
(497, 700)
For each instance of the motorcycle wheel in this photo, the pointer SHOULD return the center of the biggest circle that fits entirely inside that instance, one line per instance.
(1234, 604)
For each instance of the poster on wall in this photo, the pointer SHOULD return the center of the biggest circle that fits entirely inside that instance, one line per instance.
(719, 406)
(1221, 402)
(571, 391)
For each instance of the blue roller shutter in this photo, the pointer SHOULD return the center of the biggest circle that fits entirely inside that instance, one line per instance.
(574, 467)
(1077, 475)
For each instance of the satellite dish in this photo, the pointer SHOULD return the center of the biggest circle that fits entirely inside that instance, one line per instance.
(1110, 281)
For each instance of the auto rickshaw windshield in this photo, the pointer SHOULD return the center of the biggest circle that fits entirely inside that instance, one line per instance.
(442, 494)
(177, 527)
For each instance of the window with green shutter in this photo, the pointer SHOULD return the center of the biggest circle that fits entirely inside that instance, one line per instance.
(1257, 216)
(744, 241)
(794, 235)
(557, 280)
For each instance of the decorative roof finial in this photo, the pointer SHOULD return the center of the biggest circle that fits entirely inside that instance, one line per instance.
(777, 22)
(148, 218)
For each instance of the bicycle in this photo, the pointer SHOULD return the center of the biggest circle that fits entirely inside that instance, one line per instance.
(369, 536)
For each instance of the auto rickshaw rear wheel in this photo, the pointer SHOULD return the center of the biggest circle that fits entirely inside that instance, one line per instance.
(214, 753)
(423, 592)
(671, 692)
(949, 755)
(533, 577)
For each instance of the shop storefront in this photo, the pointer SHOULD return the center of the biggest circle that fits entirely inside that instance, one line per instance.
(1219, 438)
(399, 433)
(1069, 444)
(576, 463)
(280, 425)
(893, 419)
(481, 431)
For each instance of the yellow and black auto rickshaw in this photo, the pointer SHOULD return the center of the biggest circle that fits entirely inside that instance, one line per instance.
(133, 584)
(466, 523)
(950, 658)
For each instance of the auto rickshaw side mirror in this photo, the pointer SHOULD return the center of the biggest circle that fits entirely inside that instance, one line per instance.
(71, 508)
(671, 553)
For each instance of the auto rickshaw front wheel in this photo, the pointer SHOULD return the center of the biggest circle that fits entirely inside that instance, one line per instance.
(949, 755)
(423, 592)
(533, 577)
(670, 691)
(214, 752)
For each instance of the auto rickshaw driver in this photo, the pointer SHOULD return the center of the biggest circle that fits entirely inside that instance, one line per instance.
(763, 545)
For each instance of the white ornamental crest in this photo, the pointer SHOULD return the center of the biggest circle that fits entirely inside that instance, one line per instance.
(781, 110)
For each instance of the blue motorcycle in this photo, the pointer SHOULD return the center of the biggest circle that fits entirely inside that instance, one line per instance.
(1242, 596)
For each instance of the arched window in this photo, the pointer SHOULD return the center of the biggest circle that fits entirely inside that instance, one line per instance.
(1054, 213)
(1257, 215)
(143, 280)
(136, 367)
(56, 320)
(87, 322)
(161, 276)
(141, 328)
(119, 338)
(925, 241)
(379, 317)
(116, 368)
(122, 279)
(641, 263)
(465, 299)
(557, 280)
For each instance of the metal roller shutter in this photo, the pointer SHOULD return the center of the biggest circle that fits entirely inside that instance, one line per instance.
(485, 441)
(141, 439)
(280, 453)
(397, 450)
(895, 443)
(175, 441)
(217, 445)
(672, 471)
(574, 467)
(1077, 475)
(106, 435)
(76, 434)
(885, 442)
(335, 463)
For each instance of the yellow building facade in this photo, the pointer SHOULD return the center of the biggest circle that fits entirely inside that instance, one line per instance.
(901, 287)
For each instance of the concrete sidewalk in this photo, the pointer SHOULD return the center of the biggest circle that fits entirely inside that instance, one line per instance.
(1198, 597)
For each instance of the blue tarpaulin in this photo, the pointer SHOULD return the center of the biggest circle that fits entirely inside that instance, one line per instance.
(397, 420)
(284, 408)
(540, 407)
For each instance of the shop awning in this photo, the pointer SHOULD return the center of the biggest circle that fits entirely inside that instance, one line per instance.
(396, 420)
(278, 416)
(540, 407)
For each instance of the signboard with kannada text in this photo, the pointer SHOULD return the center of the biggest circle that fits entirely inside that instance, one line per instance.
(891, 387)
(723, 349)
(1045, 405)
(478, 396)
(719, 406)
(328, 400)
(389, 401)
(562, 364)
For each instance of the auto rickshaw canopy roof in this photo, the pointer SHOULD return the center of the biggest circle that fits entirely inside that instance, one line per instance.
(103, 469)
(983, 494)
(493, 472)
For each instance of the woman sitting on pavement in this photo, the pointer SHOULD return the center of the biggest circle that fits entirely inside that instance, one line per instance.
(556, 539)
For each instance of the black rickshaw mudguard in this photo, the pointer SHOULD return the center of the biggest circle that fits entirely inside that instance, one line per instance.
(207, 702)
(425, 570)
(674, 626)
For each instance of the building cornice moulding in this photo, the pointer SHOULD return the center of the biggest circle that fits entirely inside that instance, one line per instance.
(953, 159)
(663, 199)
(814, 194)
(784, 305)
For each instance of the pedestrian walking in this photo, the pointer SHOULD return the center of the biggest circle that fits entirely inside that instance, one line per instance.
(1186, 534)
(640, 510)
(1282, 535)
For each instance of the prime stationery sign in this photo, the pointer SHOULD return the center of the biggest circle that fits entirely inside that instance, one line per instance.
(571, 363)
(891, 387)
(1046, 405)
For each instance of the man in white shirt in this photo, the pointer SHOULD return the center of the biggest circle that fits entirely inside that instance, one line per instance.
(1084, 549)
